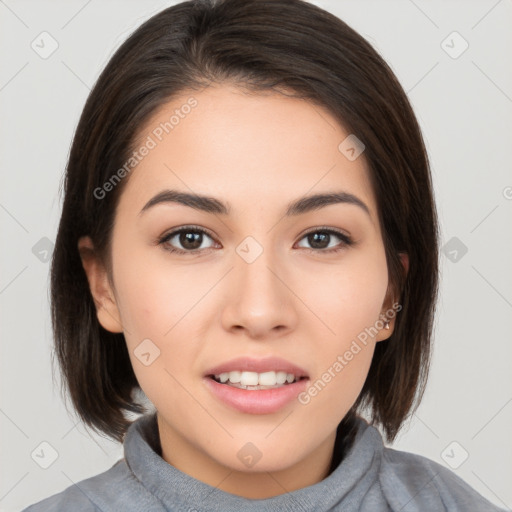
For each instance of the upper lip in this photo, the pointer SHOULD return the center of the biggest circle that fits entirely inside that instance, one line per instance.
(266, 364)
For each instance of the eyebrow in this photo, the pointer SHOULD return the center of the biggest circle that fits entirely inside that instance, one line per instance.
(212, 205)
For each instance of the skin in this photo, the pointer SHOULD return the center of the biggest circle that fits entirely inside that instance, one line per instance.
(257, 153)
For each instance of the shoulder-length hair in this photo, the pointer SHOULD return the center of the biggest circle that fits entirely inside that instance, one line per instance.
(286, 45)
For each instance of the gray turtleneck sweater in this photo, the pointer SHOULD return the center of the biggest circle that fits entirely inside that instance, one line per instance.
(370, 478)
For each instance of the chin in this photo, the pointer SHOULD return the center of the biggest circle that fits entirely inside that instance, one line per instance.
(256, 457)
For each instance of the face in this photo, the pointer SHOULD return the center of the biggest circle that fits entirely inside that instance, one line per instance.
(251, 285)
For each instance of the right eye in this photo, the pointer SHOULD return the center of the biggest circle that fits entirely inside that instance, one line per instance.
(190, 238)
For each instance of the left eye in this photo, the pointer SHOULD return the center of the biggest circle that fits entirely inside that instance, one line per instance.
(191, 239)
(317, 239)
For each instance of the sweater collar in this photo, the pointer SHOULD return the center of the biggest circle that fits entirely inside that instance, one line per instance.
(345, 487)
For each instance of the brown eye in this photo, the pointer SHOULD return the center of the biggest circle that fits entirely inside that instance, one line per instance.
(321, 239)
(190, 240)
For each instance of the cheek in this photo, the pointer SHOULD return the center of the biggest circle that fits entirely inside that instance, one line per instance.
(349, 302)
(159, 306)
(347, 297)
(156, 308)
(154, 296)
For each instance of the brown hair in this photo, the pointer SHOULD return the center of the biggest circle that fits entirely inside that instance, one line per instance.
(261, 45)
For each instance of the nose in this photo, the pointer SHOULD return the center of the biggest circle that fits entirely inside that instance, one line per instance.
(259, 301)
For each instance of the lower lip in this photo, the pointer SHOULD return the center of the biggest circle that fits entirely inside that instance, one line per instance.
(258, 401)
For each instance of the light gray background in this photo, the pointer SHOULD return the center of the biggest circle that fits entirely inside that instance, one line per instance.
(464, 107)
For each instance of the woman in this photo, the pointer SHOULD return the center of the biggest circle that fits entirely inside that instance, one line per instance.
(249, 239)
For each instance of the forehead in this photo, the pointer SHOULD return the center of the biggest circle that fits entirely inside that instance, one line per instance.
(250, 149)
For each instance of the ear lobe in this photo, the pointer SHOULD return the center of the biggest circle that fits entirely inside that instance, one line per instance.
(385, 333)
(389, 303)
(99, 285)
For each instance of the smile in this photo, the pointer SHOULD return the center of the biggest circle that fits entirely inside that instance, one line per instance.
(254, 380)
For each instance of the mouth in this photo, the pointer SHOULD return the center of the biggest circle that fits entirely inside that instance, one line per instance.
(253, 381)
(256, 386)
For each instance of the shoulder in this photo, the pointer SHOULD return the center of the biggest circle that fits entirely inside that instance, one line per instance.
(413, 482)
(113, 490)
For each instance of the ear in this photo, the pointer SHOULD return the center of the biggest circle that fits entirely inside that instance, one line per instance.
(404, 257)
(101, 290)
(389, 312)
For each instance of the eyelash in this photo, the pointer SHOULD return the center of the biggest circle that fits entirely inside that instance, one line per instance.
(346, 241)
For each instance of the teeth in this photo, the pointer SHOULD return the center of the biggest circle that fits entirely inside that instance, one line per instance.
(234, 377)
(267, 379)
(249, 379)
(281, 377)
(256, 379)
